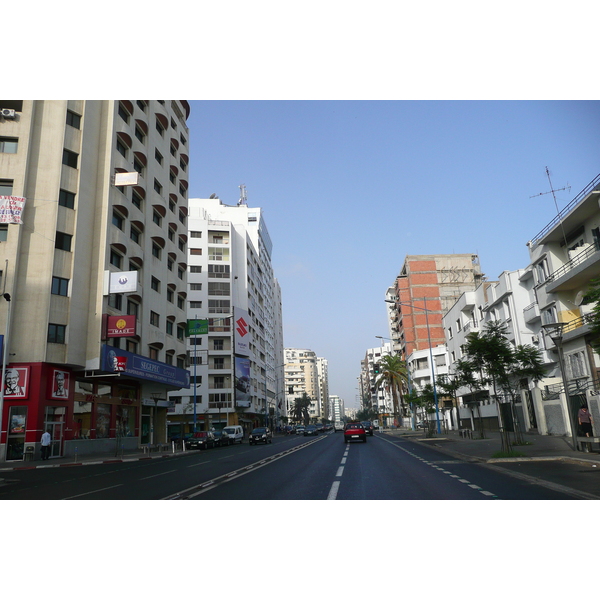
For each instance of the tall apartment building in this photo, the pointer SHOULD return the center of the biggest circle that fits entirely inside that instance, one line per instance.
(94, 279)
(236, 363)
(338, 412)
(323, 380)
(302, 376)
(428, 285)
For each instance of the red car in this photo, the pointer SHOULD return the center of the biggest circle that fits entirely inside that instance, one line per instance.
(354, 431)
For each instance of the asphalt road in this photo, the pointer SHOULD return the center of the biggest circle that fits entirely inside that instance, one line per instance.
(291, 468)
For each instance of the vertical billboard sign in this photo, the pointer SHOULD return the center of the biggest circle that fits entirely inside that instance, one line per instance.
(242, 331)
(242, 381)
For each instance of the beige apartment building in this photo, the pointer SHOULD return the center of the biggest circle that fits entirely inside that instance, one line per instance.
(94, 275)
(302, 376)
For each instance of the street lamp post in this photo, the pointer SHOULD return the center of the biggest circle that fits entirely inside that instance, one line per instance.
(435, 396)
(555, 333)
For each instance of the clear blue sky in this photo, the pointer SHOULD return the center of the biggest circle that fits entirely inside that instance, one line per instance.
(349, 188)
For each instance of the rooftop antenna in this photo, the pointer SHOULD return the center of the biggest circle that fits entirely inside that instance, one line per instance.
(552, 190)
(243, 198)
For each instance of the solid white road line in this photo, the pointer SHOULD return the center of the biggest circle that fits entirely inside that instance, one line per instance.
(93, 491)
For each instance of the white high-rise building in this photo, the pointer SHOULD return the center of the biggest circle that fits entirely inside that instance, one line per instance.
(302, 376)
(236, 367)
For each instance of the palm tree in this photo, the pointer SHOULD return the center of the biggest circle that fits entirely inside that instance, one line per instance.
(300, 409)
(393, 373)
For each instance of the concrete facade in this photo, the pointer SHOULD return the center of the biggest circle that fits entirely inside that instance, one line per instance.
(78, 229)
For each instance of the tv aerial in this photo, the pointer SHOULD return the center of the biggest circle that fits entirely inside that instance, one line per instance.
(552, 191)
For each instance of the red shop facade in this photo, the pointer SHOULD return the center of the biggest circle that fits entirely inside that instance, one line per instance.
(82, 415)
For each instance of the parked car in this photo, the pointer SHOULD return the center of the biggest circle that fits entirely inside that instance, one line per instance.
(320, 427)
(299, 429)
(222, 438)
(368, 427)
(236, 432)
(202, 440)
(311, 430)
(288, 430)
(421, 425)
(261, 434)
(354, 431)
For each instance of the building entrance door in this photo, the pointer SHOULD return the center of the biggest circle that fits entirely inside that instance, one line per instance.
(56, 433)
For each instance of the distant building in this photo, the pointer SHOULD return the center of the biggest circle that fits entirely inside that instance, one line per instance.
(302, 376)
(428, 285)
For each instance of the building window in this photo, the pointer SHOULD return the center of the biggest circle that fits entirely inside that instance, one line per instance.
(66, 199)
(135, 235)
(117, 220)
(169, 327)
(160, 128)
(138, 166)
(196, 234)
(153, 352)
(3, 232)
(180, 332)
(70, 158)
(60, 286)
(139, 134)
(158, 156)
(156, 250)
(195, 287)
(115, 301)
(122, 148)
(142, 105)
(123, 113)
(63, 241)
(131, 346)
(180, 302)
(195, 251)
(195, 269)
(195, 304)
(73, 119)
(116, 259)
(155, 284)
(6, 187)
(156, 218)
(9, 145)
(133, 308)
(170, 296)
(154, 319)
(136, 199)
(56, 333)
(169, 358)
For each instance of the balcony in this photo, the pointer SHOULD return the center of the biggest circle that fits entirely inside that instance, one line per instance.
(531, 313)
(583, 266)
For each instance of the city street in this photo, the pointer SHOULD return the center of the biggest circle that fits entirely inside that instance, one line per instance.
(291, 468)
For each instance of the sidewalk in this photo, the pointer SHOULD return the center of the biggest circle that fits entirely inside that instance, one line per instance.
(88, 459)
(538, 447)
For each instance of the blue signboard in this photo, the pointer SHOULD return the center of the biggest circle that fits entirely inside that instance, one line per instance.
(115, 360)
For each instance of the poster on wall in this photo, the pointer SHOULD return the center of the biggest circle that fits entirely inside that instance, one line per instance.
(16, 380)
(242, 382)
(60, 384)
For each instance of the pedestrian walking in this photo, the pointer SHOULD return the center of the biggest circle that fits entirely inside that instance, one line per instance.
(585, 421)
(46, 439)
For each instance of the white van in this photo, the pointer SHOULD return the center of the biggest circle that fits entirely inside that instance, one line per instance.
(236, 432)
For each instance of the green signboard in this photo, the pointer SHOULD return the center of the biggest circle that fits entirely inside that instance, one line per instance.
(196, 327)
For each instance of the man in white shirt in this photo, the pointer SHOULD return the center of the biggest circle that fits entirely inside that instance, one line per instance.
(46, 439)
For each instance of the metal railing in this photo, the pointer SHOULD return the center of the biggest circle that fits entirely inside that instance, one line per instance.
(566, 210)
(575, 261)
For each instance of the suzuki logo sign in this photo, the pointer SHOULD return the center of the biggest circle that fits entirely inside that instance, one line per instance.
(242, 327)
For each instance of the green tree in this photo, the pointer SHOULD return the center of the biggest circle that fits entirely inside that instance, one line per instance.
(499, 363)
(367, 412)
(300, 408)
(394, 375)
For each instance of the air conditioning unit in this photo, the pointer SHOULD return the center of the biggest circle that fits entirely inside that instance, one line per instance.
(8, 113)
(535, 339)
